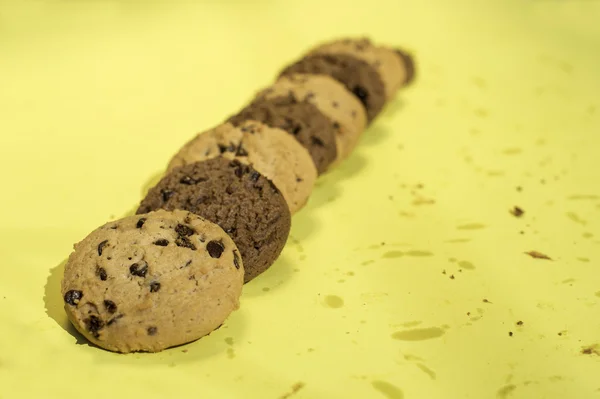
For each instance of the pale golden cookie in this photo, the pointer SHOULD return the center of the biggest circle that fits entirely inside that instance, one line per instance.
(149, 282)
(385, 60)
(274, 153)
(332, 99)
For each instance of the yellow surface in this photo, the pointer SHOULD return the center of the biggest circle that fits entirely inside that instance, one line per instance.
(95, 96)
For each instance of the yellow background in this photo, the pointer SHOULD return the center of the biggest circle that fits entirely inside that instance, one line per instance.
(95, 96)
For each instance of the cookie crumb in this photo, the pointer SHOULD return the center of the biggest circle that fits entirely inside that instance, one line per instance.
(520, 323)
(510, 333)
(517, 212)
(538, 255)
(486, 301)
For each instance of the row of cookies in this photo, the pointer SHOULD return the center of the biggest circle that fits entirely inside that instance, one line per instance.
(221, 214)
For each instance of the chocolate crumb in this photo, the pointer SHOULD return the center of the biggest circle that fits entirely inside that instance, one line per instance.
(510, 333)
(140, 223)
(93, 325)
(517, 212)
(161, 242)
(538, 255)
(183, 230)
(110, 306)
(101, 273)
(154, 286)
(101, 247)
(185, 242)
(236, 259)
(519, 323)
(215, 248)
(73, 297)
(139, 269)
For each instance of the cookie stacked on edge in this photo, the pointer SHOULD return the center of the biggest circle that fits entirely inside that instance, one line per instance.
(221, 214)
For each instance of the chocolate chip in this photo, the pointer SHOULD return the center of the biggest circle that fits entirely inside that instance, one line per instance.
(161, 242)
(94, 324)
(152, 330)
(154, 286)
(254, 176)
(184, 230)
(166, 194)
(117, 317)
(101, 247)
(187, 180)
(114, 227)
(110, 306)
(236, 259)
(139, 269)
(215, 248)
(140, 223)
(241, 152)
(222, 148)
(73, 297)
(185, 242)
(101, 273)
(361, 93)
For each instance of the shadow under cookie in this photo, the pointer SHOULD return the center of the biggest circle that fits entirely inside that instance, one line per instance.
(54, 304)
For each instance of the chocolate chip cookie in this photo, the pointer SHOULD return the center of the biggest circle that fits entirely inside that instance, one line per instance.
(273, 152)
(303, 120)
(152, 281)
(332, 99)
(247, 205)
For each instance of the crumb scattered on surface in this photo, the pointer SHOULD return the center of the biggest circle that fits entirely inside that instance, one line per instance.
(516, 211)
(295, 388)
(520, 323)
(486, 300)
(538, 255)
(510, 333)
(452, 276)
(591, 350)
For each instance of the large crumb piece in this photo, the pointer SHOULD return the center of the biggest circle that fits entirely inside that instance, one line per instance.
(538, 255)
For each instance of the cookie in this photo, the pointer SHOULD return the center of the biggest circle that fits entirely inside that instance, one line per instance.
(385, 61)
(152, 281)
(301, 119)
(358, 76)
(235, 196)
(332, 99)
(271, 151)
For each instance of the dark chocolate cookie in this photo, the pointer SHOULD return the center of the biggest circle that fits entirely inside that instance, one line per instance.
(357, 75)
(301, 119)
(236, 197)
